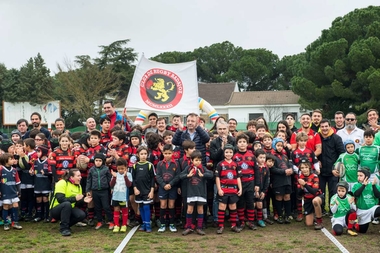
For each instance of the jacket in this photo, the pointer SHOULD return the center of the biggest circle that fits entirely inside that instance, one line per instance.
(332, 147)
(98, 179)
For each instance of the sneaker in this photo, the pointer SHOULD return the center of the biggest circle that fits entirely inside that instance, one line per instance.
(376, 221)
(291, 217)
(280, 220)
(275, 217)
(65, 232)
(6, 227)
(287, 220)
(351, 232)
(242, 225)
(299, 217)
(81, 224)
(17, 226)
(142, 227)
(236, 229)
(28, 218)
(133, 223)
(148, 228)
(162, 229)
(111, 226)
(116, 229)
(122, 229)
(318, 226)
(251, 225)
(270, 222)
(37, 219)
(220, 230)
(200, 231)
(187, 231)
(172, 228)
(46, 220)
(53, 220)
(261, 223)
(99, 225)
(325, 213)
(91, 222)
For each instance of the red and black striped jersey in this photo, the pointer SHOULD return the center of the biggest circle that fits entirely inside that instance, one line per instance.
(155, 156)
(132, 152)
(246, 164)
(105, 138)
(176, 153)
(307, 153)
(209, 161)
(312, 181)
(90, 153)
(228, 174)
(122, 152)
(62, 160)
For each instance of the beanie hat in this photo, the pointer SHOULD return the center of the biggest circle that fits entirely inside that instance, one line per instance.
(135, 133)
(228, 146)
(44, 150)
(16, 132)
(275, 141)
(342, 184)
(365, 171)
(346, 142)
(100, 156)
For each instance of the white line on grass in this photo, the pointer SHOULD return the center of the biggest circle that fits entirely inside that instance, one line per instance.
(128, 237)
(334, 240)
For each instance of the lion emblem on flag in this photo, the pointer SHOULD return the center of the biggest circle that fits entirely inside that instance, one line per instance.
(162, 88)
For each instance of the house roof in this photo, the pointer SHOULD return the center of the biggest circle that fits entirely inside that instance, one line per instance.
(216, 93)
(264, 98)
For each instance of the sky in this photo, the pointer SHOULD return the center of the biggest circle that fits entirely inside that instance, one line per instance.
(60, 30)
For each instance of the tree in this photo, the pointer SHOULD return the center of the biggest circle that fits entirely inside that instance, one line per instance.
(174, 57)
(342, 68)
(119, 59)
(80, 87)
(255, 71)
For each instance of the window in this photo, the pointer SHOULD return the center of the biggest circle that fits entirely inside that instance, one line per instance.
(255, 115)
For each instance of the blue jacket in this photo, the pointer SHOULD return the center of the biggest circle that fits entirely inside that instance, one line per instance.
(201, 137)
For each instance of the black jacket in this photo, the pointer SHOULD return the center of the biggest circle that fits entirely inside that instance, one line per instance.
(332, 147)
(98, 178)
(216, 152)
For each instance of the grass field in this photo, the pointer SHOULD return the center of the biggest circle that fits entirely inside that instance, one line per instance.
(295, 237)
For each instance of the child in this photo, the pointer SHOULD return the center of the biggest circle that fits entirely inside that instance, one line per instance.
(350, 161)
(15, 136)
(261, 185)
(116, 149)
(62, 158)
(121, 181)
(281, 174)
(10, 189)
(229, 188)
(269, 162)
(246, 164)
(168, 137)
(167, 177)
(343, 207)
(260, 131)
(256, 145)
(267, 143)
(105, 125)
(367, 198)
(43, 183)
(308, 188)
(197, 176)
(143, 186)
(97, 185)
(369, 154)
(27, 156)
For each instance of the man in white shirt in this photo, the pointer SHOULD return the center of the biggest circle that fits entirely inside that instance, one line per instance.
(351, 131)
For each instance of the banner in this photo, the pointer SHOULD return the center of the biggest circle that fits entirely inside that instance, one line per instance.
(171, 88)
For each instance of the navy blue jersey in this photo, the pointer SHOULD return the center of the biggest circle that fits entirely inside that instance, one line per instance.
(9, 181)
(42, 172)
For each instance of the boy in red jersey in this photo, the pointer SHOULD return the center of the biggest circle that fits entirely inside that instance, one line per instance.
(228, 183)
(116, 149)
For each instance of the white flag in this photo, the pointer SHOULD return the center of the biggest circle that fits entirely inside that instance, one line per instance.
(171, 88)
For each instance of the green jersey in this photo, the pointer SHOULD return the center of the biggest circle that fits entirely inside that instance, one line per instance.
(367, 199)
(350, 162)
(369, 157)
(343, 206)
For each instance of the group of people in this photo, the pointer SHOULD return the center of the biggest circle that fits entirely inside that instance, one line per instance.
(178, 175)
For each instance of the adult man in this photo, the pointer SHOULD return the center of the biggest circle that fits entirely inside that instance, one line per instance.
(22, 127)
(111, 112)
(90, 125)
(351, 131)
(35, 118)
(232, 124)
(373, 120)
(195, 133)
(314, 141)
(332, 147)
(217, 145)
(161, 126)
(339, 120)
(316, 117)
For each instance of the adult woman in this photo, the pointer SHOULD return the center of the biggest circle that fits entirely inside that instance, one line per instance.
(67, 195)
(282, 125)
(261, 120)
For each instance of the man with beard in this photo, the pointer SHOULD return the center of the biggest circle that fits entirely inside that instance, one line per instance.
(316, 117)
(35, 118)
(351, 131)
(372, 120)
(339, 120)
(232, 124)
(332, 147)
(161, 126)
(314, 141)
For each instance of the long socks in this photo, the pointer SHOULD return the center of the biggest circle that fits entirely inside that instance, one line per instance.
(124, 213)
(116, 218)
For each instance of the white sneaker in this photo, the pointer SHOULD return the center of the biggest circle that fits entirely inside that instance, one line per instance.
(376, 221)
(172, 228)
(162, 229)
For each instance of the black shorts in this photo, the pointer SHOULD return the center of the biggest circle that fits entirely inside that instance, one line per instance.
(308, 207)
(143, 199)
(282, 190)
(228, 198)
(170, 194)
(119, 203)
